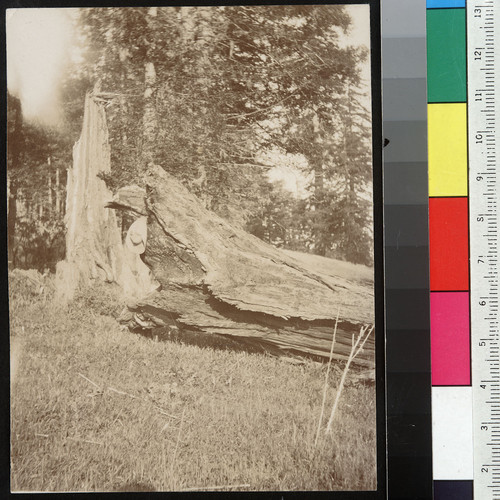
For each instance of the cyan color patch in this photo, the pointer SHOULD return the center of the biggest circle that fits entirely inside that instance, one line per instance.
(446, 55)
(445, 4)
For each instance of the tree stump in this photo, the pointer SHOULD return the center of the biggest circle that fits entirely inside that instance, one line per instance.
(94, 248)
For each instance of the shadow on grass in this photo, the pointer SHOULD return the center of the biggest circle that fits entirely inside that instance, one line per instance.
(204, 340)
(244, 344)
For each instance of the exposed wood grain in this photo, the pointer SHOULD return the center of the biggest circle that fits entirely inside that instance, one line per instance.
(216, 279)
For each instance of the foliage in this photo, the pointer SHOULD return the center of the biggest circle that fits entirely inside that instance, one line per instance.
(33, 149)
(37, 157)
(279, 219)
(345, 210)
(227, 84)
(40, 242)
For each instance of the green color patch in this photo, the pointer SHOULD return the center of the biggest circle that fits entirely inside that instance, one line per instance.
(446, 55)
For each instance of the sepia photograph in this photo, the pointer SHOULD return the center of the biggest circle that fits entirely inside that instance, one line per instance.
(190, 226)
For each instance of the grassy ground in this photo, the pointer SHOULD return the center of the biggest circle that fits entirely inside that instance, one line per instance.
(95, 408)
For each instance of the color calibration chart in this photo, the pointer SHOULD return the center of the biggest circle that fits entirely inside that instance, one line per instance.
(463, 40)
(449, 247)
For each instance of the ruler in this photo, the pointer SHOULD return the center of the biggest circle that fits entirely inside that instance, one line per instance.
(483, 78)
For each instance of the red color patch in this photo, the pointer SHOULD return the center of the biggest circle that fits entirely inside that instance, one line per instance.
(448, 244)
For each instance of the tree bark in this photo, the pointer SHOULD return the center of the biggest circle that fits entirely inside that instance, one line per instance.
(94, 248)
(58, 193)
(49, 187)
(14, 158)
(218, 280)
(150, 120)
(319, 184)
(11, 222)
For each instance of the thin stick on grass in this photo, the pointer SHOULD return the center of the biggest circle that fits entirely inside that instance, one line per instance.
(122, 393)
(215, 488)
(85, 441)
(90, 381)
(355, 349)
(167, 414)
(325, 387)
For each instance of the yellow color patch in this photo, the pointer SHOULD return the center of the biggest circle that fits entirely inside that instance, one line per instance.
(447, 140)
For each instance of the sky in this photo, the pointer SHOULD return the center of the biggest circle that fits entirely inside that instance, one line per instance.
(39, 41)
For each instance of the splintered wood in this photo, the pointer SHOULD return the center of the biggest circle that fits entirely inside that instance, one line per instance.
(217, 279)
(94, 248)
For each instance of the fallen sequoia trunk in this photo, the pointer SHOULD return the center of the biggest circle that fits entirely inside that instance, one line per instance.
(217, 279)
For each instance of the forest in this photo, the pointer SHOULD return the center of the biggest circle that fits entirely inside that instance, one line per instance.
(223, 99)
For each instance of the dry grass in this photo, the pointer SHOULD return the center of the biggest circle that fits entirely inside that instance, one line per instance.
(95, 408)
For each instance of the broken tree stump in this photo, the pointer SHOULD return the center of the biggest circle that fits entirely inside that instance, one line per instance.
(94, 248)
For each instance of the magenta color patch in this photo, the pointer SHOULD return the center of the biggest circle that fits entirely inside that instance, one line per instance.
(450, 338)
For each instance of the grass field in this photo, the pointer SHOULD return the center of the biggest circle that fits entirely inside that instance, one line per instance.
(96, 408)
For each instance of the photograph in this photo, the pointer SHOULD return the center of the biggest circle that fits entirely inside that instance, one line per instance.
(191, 228)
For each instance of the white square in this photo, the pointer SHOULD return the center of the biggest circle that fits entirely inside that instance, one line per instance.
(452, 442)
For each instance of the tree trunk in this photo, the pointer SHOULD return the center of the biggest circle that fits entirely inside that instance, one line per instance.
(319, 200)
(319, 185)
(58, 193)
(11, 222)
(150, 120)
(150, 124)
(319, 182)
(219, 281)
(49, 189)
(94, 248)
(14, 158)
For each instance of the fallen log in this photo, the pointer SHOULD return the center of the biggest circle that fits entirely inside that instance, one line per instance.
(217, 279)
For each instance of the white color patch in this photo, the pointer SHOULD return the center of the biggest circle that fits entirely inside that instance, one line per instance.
(452, 445)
